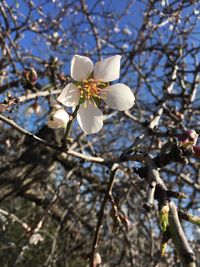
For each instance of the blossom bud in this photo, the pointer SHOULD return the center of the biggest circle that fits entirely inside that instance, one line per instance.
(35, 238)
(29, 77)
(97, 259)
(188, 138)
(34, 108)
(33, 76)
(58, 118)
(164, 217)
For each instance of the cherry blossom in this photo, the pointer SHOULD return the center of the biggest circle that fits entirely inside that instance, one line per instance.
(91, 84)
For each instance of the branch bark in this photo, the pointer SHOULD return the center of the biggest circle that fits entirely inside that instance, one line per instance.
(178, 237)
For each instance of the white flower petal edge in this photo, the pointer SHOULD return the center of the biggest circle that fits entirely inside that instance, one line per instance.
(81, 68)
(90, 118)
(108, 69)
(58, 119)
(69, 96)
(118, 97)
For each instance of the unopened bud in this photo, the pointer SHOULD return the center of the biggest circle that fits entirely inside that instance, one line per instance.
(33, 76)
(58, 118)
(164, 217)
(97, 259)
(34, 108)
(29, 76)
(35, 238)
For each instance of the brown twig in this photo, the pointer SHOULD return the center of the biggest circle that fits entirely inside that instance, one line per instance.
(101, 212)
(70, 152)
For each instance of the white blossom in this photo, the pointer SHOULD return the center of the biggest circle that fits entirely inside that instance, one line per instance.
(91, 85)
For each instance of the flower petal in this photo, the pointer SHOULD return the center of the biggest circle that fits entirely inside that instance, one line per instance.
(69, 96)
(81, 68)
(107, 70)
(58, 119)
(90, 118)
(118, 96)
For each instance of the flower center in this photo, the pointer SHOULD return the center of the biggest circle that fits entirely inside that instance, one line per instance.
(92, 90)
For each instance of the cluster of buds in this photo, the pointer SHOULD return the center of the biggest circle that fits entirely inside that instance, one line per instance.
(188, 140)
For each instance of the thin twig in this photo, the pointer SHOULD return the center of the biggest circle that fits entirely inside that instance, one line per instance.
(101, 213)
(69, 152)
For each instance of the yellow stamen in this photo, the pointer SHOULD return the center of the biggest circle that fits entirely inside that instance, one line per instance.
(91, 89)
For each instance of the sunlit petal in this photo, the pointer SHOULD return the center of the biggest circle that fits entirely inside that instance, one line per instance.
(118, 96)
(69, 96)
(90, 118)
(81, 68)
(107, 70)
